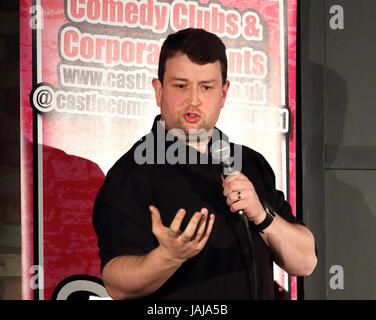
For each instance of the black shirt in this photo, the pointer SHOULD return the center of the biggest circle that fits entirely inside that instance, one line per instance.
(229, 266)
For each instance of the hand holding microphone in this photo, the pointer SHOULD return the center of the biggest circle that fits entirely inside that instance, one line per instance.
(241, 195)
(237, 188)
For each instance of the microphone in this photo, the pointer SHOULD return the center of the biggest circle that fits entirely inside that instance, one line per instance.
(221, 151)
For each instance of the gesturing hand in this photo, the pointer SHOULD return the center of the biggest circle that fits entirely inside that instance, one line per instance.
(182, 245)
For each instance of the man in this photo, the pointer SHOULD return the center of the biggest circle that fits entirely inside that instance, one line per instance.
(172, 231)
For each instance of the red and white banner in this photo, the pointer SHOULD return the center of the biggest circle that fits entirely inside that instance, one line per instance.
(86, 98)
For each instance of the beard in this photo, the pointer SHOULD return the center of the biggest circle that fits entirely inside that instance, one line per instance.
(177, 127)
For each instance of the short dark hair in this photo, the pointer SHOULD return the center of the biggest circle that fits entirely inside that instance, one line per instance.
(200, 46)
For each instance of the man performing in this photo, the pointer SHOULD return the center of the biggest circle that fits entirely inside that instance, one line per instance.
(173, 230)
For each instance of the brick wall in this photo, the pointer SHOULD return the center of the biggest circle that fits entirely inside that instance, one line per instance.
(10, 219)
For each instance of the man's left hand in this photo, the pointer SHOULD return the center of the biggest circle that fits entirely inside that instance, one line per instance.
(241, 195)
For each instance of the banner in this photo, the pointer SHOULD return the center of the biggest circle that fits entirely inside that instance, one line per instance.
(86, 98)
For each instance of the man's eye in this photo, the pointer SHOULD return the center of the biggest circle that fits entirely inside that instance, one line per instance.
(206, 87)
(180, 86)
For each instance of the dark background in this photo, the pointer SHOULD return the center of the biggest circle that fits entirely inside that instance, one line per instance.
(338, 145)
(10, 206)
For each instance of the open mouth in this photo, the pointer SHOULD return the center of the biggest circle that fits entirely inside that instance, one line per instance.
(191, 117)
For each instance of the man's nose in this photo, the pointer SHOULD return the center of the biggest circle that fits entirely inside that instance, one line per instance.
(195, 99)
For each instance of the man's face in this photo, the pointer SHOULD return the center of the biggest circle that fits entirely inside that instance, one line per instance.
(192, 95)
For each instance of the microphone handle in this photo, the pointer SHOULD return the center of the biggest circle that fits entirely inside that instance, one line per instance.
(228, 165)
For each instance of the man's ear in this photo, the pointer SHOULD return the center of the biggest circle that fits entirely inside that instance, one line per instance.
(225, 88)
(157, 85)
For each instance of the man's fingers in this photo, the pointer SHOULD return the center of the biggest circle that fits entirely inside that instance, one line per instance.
(201, 225)
(237, 185)
(233, 175)
(155, 215)
(236, 196)
(198, 228)
(209, 228)
(155, 219)
(237, 205)
(191, 227)
(176, 223)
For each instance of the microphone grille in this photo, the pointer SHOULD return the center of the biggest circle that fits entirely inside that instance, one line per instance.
(220, 150)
